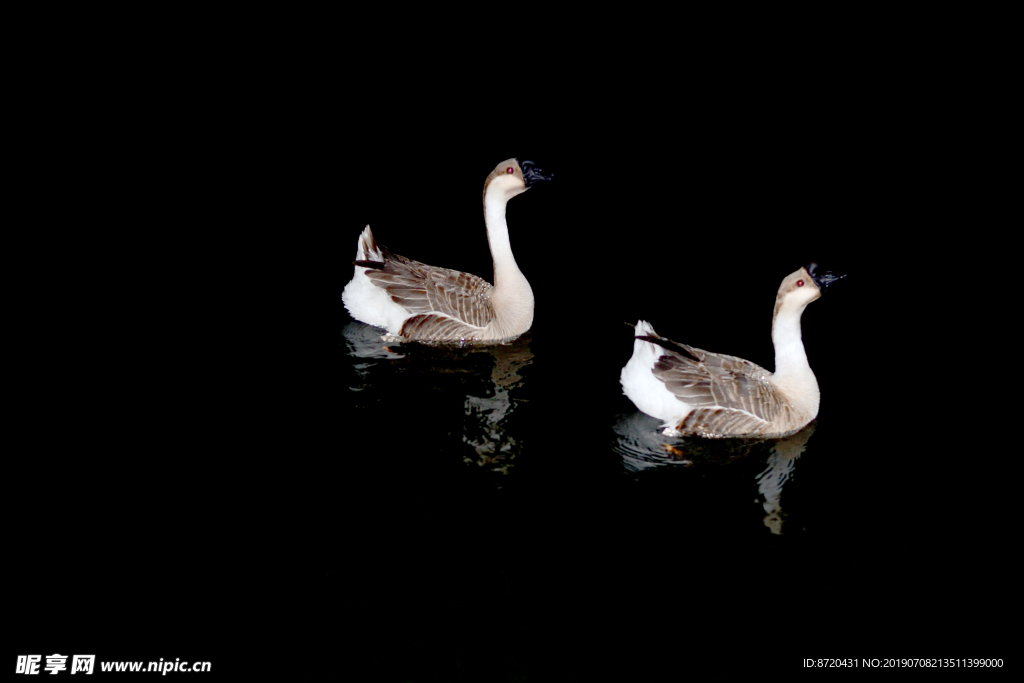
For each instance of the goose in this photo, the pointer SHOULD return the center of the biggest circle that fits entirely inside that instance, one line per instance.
(414, 301)
(711, 395)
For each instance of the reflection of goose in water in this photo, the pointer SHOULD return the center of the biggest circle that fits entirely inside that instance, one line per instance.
(487, 415)
(643, 447)
(780, 466)
(487, 377)
(365, 342)
(645, 450)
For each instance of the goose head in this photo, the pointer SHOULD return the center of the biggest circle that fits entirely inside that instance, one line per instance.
(802, 287)
(512, 177)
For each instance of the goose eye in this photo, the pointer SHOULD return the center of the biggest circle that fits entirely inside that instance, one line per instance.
(510, 170)
(799, 283)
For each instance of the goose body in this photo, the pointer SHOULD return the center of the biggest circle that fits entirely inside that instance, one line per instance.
(699, 393)
(414, 301)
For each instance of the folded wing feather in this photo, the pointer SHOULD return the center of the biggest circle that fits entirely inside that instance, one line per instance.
(445, 303)
(728, 394)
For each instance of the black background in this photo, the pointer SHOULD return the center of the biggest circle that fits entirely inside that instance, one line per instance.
(688, 213)
(194, 488)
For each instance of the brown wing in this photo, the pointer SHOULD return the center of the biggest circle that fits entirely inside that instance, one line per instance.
(729, 395)
(433, 327)
(434, 294)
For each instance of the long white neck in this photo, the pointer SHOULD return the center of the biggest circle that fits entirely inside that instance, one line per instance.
(791, 367)
(512, 296)
(793, 374)
(506, 271)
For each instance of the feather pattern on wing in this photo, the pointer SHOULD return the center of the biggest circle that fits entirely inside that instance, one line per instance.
(445, 303)
(729, 395)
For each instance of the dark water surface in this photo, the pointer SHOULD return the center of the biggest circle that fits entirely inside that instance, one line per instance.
(516, 518)
(399, 512)
(505, 513)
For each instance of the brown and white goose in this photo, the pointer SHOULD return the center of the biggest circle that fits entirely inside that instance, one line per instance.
(414, 301)
(699, 393)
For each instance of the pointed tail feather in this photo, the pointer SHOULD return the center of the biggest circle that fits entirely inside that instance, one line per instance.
(368, 249)
(645, 332)
(670, 345)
